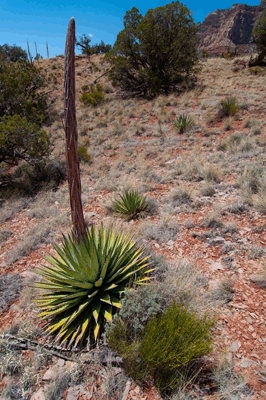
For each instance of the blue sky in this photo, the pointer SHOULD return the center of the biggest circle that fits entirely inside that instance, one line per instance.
(101, 19)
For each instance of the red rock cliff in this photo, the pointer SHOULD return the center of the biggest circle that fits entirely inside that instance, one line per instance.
(224, 30)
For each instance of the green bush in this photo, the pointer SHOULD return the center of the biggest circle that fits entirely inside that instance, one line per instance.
(173, 340)
(21, 92)
(205, 54)
(22, 140)
(130, 204)
(83, 154)
(163, 346)
(229, 106)
(84, 285)
(12, 53)
(155, 53)
(27, 180)
(95, 97)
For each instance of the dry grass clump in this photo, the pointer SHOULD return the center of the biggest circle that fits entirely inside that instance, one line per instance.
(32, 239)
(166, 230)
(5, 234)
(10, 288)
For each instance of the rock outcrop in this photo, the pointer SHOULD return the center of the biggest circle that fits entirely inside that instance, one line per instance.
(229, 30)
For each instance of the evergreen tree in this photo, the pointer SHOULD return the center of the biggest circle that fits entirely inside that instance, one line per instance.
(12, 53)
(155, 53)
(259, 38)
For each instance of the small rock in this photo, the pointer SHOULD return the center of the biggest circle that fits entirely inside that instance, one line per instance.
(246, 362)
(14, 307)
(52, 372)
(217, 240)
(126, 391)
(89, 215)
(170, 243)
(71, 364)
(72, 396)
(258, 280)
(60, 362)
(38, 395)
(235, 346)
(264, 363)
(250, 328)
(137, 390)
(216, 266)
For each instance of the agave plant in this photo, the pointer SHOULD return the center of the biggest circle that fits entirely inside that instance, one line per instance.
(130, 203)
(183, 122)
(86, 281)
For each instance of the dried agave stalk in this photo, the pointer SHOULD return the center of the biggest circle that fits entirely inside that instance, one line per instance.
(72, 157)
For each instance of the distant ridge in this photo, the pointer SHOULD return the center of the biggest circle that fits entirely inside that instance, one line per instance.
(228, 30)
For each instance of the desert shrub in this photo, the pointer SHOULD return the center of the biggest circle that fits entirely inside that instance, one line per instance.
(181, 195)
(83, 154)
(173, 340)
(21, 92)
(130, 204)
(251, 179)
(22, 140)
(168, 32)
(168, 342)
(10, 287)
(88, 49)
(27, 180)
(205, 54)
(163, 232)
(5, 234)
(182, 123)
(82, 290)
(95, 97)
(207, 189)
(229, 106)
(12, 53)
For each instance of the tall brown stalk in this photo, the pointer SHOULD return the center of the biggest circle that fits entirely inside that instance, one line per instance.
(72, 157)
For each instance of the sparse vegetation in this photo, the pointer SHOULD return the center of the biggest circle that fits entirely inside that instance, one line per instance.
(208, 186)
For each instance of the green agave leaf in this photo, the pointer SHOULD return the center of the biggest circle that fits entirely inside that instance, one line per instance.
(96, 330)
(109, 287)
(96, 311)
(65, 267)
(77, 313)
(105, 298)
(115, 302)
(108, 314)
(58, 310)
(98, 283)
(83, 330)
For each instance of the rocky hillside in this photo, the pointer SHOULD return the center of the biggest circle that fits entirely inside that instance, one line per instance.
(226, 30)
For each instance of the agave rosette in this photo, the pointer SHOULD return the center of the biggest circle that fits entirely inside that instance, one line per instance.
(83, 285)
(130, 203)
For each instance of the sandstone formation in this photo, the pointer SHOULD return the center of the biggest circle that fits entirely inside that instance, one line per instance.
(230, 30)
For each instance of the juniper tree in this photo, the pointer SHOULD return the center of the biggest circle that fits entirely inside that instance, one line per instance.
(155, 53)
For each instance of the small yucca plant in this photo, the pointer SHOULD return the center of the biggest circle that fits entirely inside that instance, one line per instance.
(130, 204)
(229, 106)
(84, 285)
(182, 123)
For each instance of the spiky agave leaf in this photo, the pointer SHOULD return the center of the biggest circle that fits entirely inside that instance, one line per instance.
(130, 203)
(83, 285)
